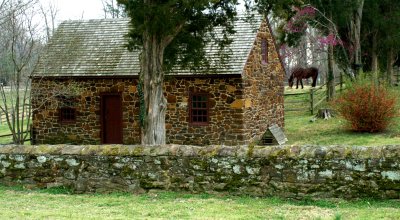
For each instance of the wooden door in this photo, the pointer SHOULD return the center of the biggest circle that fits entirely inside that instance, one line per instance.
(111, 118)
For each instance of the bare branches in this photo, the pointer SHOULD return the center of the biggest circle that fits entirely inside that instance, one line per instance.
(17, 7)
(49, 14)
(112, 9)
(20, 44)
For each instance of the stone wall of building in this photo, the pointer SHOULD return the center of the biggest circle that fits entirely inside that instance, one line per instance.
(263, 87)
(85, 96)
(226, 115)
(286, 171)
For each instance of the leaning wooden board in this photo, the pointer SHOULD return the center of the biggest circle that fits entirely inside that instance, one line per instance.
(278, 134)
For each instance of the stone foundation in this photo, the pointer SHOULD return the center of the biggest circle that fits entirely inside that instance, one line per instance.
(286, 171)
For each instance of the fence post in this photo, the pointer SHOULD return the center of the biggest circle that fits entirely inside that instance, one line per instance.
(398, 75)
(312, 101)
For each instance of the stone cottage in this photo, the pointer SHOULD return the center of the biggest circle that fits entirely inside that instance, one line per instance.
(85, 89)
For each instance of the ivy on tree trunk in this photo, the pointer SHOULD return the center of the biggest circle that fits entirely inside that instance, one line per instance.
(154, 101)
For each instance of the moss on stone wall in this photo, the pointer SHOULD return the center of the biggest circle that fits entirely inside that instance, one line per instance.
(288, 171)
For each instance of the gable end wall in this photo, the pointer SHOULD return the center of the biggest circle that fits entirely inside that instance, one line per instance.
(263, 88)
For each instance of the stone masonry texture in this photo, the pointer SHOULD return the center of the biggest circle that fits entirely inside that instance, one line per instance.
(263, 87)
(285, 171)
(226, 119)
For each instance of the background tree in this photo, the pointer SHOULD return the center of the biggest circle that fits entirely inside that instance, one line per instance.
(381, 36)
(21, 40)
(113, 9)
(49, 13)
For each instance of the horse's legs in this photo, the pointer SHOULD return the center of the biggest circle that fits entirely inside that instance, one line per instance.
(297, 83)
(301, 81)
(314, 81)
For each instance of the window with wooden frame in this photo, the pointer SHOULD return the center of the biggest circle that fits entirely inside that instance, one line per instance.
(67, 115)
(67, 111)
(199, 109)
(264, 51)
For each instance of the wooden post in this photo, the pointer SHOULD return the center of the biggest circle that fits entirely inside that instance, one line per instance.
(312, 101)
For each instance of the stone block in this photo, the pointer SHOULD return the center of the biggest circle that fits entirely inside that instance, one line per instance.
(237, 104)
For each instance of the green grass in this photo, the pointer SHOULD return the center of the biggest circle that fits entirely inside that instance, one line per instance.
(299, 130)
(18, 203)
(3, 131)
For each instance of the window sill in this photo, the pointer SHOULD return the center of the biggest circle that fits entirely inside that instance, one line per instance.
(199, 124)
(67, 122)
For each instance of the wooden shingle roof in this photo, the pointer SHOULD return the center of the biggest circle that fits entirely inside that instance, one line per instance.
(97, 48)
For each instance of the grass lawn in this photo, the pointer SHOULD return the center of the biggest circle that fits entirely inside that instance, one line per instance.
(299, 130)
(3, 131)
(18, 203)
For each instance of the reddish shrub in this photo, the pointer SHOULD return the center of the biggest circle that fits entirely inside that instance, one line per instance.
(367, 107)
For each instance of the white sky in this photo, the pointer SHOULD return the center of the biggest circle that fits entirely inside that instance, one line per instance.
(76, 9)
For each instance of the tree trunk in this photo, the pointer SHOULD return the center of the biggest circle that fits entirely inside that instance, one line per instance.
(302, 59)
(356, 32)
(389, 66)
(374, 55)
(331, 76)
(152, 76)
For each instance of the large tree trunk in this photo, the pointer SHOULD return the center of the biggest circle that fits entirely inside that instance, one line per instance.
(330, 78)
(152, 76)
(356, 32)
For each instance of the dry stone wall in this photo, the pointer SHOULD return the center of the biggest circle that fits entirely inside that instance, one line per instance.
(287, 171)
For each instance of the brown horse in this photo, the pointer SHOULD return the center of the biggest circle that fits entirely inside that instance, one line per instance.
(303, 73)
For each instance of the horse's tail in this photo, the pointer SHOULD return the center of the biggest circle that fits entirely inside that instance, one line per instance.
(290, 80)
(315, 76)
(316, 71)
(291, 77)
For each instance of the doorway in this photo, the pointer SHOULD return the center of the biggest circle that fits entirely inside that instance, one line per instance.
(111, 119)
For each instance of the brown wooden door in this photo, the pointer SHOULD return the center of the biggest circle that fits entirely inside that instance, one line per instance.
(111, 118)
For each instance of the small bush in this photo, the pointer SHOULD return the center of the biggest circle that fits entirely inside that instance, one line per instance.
(368, 106)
